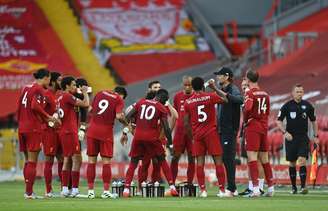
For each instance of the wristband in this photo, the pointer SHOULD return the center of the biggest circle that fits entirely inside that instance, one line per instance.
(126, 130)
(83, 127)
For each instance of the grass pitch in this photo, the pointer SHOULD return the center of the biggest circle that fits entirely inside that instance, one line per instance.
(11, 198)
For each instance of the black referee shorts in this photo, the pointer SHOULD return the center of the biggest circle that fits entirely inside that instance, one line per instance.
(298, 147)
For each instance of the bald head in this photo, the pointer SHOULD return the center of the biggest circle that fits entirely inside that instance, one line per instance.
(186, 82)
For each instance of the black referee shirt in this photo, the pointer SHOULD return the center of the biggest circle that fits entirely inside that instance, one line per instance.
(297, 115)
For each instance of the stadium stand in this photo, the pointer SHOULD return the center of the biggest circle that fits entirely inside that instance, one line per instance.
(27, 42)
(65, 25)
(151, 38)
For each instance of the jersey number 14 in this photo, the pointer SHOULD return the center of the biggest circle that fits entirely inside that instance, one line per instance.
(262, 106)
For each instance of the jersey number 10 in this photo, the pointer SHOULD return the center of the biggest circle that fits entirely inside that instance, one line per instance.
(147, 112)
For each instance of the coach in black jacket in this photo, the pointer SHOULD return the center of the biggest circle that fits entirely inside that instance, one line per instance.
(228, 117)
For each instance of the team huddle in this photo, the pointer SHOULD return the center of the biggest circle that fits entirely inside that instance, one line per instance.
(55, 114)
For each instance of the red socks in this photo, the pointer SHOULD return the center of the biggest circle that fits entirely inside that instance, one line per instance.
(130, 174)
(268, 173)
(24, 169)
(106, 176)
(48, 175)
(167, 171)
(91, 175)
(254, 172)
(75, 179)
(70, 179)
(201, 177)
(190, 172)
(59, 169)
(30, 173)
(174, 170)
(156, 174)
(220, 174)
(65, 177)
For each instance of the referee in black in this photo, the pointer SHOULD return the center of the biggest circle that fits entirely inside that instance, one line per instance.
(228, 117)
(297, 112)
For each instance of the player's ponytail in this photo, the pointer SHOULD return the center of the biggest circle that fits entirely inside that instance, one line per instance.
(41, 73)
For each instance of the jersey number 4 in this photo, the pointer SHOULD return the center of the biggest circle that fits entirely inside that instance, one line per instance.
(24, 100)
(262, 106)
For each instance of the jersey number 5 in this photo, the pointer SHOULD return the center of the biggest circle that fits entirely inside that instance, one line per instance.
(262, 106)
(202, 116)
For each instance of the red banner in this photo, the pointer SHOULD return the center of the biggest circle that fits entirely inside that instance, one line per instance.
(27, 43)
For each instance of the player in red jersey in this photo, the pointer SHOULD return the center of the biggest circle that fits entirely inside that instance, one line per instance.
(31, 116)
(249, 189)
(148, 114)
(106, 107)
(51, 145)
(153, 87)
(256, 113)
(181, 141)
(200, 124)
(68, 133)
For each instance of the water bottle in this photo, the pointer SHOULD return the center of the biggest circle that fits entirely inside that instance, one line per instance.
(181, 190)
(156, 189)
(114, 188)
(144, 189)
(133, 192)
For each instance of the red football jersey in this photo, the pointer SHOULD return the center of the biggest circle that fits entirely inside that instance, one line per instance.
(148, 114)
(50, 101)
(201, 109)
(257, 110)
(178, 103)
(67, 112)
(28, 119)
(105, 106)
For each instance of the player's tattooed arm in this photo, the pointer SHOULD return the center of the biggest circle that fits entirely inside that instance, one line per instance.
(121, 118)
(126, 121)
(221, 93)
(130, 114)
(187, 125)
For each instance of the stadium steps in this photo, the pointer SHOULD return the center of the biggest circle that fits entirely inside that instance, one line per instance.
(316, 22)
(61, 18)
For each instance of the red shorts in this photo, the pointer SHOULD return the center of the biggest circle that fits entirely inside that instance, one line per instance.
(51, 144)
(255, 141)
(30, 142)
(96, 146)
(70, 144)
(209, 144)
(182, 142)
(141, 148)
